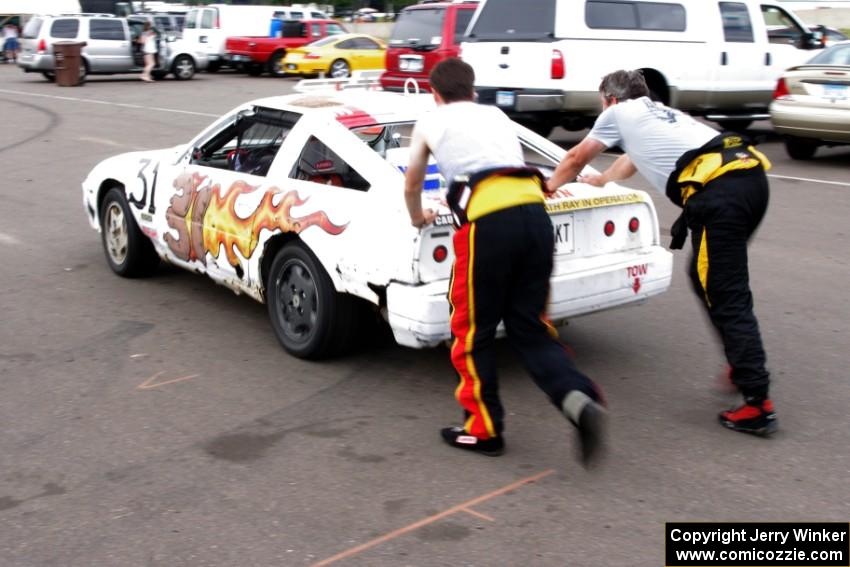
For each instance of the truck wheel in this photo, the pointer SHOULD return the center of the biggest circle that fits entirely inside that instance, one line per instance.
(213, 66)
(49, 75)
(183, 68)
(276, 64)
(800, 148)
(340, 69)
(310, 319)
(129, 253)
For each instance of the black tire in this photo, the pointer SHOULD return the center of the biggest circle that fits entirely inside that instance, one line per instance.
(49, 75)
(84, 71)
(339, 69)
(214, 67)
(275, 64)
(740, 126)
(310, 319)
(183, 68)
(800, 148)
(128, 252)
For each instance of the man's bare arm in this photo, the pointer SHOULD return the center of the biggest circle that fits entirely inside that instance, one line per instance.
(413, 180)
(622, 168)
(574, 162)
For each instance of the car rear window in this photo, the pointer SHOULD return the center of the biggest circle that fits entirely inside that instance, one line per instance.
(32, 28)
(65, 28)
(418, 27)
(835, 55)
(509, 20)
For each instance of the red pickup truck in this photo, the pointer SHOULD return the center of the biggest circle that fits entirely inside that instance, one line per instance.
(258, 55)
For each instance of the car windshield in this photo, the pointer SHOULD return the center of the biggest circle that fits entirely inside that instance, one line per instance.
(835, 55)
(509, 20)
(324, 41)
(418, 27)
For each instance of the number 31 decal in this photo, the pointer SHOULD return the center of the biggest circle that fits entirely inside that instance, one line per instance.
(141, 203)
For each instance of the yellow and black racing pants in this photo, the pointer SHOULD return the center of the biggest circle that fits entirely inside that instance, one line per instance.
(503, 261)
(722, 217)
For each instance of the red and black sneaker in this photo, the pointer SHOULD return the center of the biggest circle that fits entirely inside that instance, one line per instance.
(459, 438)
(757, 418)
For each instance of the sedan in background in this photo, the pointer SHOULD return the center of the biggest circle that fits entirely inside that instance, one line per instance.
(336, 56)
(811, 103)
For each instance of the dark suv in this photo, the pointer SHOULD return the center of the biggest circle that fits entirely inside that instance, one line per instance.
(424, 34)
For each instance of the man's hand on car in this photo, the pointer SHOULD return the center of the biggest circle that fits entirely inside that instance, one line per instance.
(427, 217)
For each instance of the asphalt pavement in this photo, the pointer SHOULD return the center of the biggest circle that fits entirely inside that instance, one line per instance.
(158, 422)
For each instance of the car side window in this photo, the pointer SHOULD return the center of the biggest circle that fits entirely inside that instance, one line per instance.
(462, 19)
(248, 144)
(208, 19)
(66, 28)
(347, 44)
(191, 19)
(295, 15)
(112, 30)
(737, 27)
(320, 164)
(364, 43)
(316, 30)
(781, 28)
(334, 29)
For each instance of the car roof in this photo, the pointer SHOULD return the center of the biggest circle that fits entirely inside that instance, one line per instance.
(341, 36)
(352, 108)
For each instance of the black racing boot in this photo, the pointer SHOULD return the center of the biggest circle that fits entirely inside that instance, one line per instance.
(459, 438)
(590, 418)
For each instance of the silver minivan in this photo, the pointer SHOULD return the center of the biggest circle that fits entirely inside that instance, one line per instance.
(110, 48)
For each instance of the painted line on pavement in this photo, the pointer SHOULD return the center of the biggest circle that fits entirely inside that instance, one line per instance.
(109, 103)
(431, 519)
(8, 239)
(151, 382)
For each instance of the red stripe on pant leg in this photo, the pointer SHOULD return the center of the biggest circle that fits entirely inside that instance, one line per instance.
(461, 326)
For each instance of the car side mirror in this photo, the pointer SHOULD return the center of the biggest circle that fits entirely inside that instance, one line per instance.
(197, 154)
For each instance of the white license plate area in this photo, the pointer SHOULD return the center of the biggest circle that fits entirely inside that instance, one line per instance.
(835, 91)
(564, 230)
(505, 98)
(411, 64)
(291, 66)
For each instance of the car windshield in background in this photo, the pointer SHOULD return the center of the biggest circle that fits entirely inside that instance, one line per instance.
(835, 55)
(509, 20)
(422, 27)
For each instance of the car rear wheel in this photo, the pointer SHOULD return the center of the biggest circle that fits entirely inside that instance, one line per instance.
(800, 148)
(310, 319)
(49, 75)
(276, 64)
(128, 252)
(183, 68)
(340, 69)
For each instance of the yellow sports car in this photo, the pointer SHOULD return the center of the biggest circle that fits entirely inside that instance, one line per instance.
(336, 56)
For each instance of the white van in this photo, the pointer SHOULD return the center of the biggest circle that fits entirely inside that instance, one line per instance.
(208, 27)
(542, 60)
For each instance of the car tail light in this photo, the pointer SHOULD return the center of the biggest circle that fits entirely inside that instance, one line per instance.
(609, 228)
(781, 90)
(634, 224)
(440, 253)
(42, 46)
(557, 64)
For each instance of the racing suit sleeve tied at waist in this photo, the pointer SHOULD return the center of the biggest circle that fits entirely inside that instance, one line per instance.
(492, 190)
(698, 167)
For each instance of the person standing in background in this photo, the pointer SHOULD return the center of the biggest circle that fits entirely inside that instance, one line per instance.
(148, 41)
(10, 43)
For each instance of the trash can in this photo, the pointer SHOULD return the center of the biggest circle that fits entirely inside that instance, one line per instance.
(68, 63)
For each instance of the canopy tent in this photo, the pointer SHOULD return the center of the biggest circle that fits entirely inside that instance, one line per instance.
(28, 7)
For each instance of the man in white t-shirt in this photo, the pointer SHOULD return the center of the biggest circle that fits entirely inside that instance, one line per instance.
(719, 180)
(503, 248)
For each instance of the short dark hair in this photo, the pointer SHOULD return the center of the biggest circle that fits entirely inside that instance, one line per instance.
(624, 85)
(454, 80)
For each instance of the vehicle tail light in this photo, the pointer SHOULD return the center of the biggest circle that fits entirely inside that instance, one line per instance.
(557, 71)
(42, 46)
(634, 224)
(609, 228)
(311, 56)
(781, 90)
(440, 253)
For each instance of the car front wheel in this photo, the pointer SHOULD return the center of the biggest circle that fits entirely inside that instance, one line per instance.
(340, 69)
(276, 64)
(128, 252)
(183, 68)
(310, 319)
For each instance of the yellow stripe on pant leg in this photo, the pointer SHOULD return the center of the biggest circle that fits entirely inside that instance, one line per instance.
(470, 337)
(702, 264)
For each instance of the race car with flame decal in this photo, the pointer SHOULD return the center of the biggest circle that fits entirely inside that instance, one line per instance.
(297, 201)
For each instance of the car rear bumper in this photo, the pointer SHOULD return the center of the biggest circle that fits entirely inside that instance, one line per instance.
(828, 124)
(37, 63)
(395, 82)
(542, 100)
(302, 68)
(419, 315)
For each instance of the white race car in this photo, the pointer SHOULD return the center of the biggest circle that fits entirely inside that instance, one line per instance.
(298, 202)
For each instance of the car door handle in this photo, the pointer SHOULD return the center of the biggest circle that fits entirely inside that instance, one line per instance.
(768, 60)
(503, 65)
(724, 58)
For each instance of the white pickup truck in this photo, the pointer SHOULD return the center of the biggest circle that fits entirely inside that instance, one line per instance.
(541, 61)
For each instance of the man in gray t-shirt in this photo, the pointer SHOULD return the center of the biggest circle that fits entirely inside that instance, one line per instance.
(719, 180)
